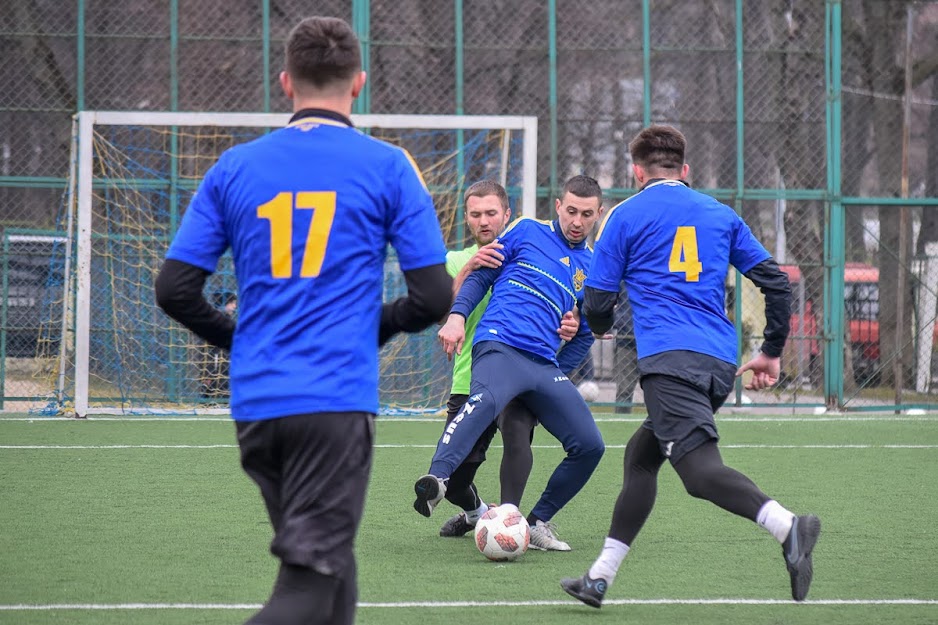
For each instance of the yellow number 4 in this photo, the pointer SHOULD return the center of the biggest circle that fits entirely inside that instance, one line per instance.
(684, 254)
(279, 211)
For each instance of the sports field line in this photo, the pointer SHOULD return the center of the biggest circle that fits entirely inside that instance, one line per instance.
(890, 418)
(463, 604)
(416, 446)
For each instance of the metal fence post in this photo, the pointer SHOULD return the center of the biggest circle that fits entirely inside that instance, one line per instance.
(834, 235)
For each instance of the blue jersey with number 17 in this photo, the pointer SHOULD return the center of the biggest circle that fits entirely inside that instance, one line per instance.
(308, 211)
(673, 247)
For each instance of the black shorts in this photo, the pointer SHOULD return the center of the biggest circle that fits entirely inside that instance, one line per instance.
(313, 473)
(682, 391)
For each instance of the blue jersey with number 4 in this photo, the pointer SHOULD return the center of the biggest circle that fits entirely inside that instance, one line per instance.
(308, 211)
(673, 247)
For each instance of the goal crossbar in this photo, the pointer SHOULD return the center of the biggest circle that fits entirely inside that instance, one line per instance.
(83, 146)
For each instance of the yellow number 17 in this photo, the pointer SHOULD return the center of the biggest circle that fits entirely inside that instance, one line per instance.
(684, 256)
(279, 211)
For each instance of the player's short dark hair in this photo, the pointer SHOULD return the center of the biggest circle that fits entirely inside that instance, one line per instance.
(321, 51)
(582, 186)
(487, 187)
(659, 147)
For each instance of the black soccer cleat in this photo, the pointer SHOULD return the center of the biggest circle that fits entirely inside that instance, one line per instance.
(797, 550)
(589, 591)
(457, 526)
(429, 490)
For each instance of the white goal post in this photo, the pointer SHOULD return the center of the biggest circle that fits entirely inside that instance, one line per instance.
(118, 174)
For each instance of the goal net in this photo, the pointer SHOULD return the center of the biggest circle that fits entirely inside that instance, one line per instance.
(109, 349)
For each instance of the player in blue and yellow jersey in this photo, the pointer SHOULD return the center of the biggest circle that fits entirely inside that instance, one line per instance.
(673, 246)
(515, 353)
(308, 212)
(487, 213)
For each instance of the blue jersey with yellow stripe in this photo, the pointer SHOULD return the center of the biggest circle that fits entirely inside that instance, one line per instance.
(673, 246)
(541, 278)
(308, 211)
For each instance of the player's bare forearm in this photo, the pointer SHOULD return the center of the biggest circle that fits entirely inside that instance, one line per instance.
(452, 335)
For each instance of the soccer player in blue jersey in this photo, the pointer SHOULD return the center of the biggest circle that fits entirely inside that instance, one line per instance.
(487, 214)
(515, 353)
(673, 246)
(308, 211)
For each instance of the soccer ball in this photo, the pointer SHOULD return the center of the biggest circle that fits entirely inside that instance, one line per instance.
(502, 533)
(589, 390)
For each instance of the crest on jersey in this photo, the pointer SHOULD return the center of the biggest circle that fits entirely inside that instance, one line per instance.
(565, 260)
(579, 277)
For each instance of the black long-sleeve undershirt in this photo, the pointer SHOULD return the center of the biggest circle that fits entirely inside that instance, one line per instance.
(429, 294)
(599, 305)
(179, 292)
(599, 309)
(774, 284)
(179, 289)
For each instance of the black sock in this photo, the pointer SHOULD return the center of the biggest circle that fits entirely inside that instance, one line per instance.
(460, 491)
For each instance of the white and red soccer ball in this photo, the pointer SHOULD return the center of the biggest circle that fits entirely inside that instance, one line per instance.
(502, 533)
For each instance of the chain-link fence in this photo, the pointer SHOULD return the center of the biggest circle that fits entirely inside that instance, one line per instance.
(815, 120)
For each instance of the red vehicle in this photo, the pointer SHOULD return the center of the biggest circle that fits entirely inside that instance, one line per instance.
(861, 302)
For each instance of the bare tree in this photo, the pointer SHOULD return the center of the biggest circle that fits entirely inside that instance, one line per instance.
(801, 156)
(885, 26)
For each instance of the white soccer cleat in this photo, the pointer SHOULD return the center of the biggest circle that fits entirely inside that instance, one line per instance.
(543, 538)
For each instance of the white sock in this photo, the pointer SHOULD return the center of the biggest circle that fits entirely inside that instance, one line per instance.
(776, 519)
(609, 561)
(474, 515)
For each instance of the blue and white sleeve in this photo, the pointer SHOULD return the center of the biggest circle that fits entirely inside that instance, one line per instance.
(473, 290)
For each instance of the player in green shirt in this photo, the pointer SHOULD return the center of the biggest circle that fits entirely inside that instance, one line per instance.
(487, 214)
